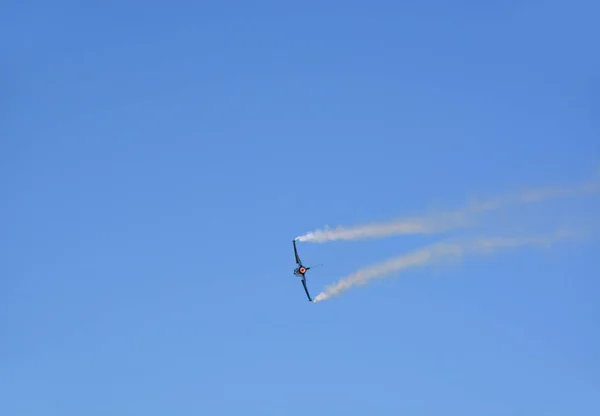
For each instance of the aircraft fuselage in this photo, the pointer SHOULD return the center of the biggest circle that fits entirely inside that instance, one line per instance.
(300, 271)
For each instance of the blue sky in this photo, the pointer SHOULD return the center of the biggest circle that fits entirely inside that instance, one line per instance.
(157, 160)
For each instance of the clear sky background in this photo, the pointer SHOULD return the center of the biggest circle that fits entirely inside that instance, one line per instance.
(156, 161)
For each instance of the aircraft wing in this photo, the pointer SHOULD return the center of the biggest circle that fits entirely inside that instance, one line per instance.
(296, 253)
(306, 289)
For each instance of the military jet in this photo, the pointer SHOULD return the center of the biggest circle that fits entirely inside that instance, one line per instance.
(301, 270)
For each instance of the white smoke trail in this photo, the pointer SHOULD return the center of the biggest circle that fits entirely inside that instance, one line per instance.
(443, 222)
(429, 254)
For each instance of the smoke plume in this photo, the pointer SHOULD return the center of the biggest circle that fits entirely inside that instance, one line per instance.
(443, 222)
(434, 252)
